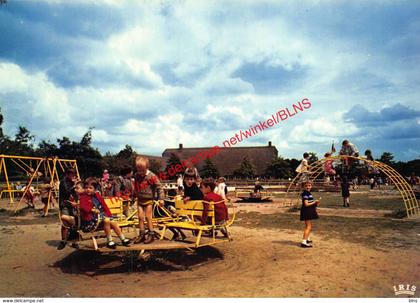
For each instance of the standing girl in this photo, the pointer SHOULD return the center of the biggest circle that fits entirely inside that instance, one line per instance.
(308, 212)
(345, 191)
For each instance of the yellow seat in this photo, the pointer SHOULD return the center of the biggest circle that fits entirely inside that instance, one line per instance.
(188, 213)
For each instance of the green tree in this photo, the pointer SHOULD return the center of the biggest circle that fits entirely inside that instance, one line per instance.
(209, 169)
(279, 168)
(24, 137)
(1, 123)
(155, 165)
(127, 152)
(173, 161)
(246, 170)
(293, 163)
(387, 158)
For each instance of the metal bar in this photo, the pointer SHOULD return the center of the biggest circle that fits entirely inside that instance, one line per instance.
(29, 184)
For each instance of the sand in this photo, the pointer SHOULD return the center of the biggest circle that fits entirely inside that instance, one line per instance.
(259, 262)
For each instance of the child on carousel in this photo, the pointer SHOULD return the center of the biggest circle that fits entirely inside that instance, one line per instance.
(147, 187)
(93, 208)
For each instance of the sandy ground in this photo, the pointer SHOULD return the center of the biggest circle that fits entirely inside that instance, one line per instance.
(263, 260)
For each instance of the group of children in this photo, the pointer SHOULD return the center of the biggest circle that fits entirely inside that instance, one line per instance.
(82, 200)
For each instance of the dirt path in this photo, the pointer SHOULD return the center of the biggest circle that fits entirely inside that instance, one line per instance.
(260, 262)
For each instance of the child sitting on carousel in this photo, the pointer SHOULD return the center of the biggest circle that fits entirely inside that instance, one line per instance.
(69, 216)
(93, 208)
(220, 209)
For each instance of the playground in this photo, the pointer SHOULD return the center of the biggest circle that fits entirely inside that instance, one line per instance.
(359, 251)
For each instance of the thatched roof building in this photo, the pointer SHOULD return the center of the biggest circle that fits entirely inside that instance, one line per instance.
(230, 158)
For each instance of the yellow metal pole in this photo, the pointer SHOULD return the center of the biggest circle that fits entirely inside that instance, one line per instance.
(29, 184)
(24, 169)
(51, 183)
(7, 182)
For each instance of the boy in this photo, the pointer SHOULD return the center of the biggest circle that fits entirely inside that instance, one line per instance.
(45, 190)
(66, 191)
(191, 190)
(303, 168)
(220, 209)
(123, 187)
(69, 220)
(147, 187)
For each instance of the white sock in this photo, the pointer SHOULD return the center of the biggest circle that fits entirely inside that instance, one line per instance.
(122, 238)
(109, 238)
(304, 241)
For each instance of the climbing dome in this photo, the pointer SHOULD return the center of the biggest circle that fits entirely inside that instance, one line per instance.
(316, 170)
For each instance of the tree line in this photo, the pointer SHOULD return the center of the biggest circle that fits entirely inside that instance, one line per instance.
(92, 163)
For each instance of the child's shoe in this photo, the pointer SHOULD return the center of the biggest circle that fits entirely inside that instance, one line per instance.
(305, 244)
(224, 232)
(111, 244)
(150, 237)
(125, 242)
(61, 245)
(140, 239)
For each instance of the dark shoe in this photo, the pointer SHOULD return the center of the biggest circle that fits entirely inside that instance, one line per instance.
(111, 244)
(179, 237)
(140, 239)
(224, 232)
(175, 237)
(307, 245)
(61, 245)
(308, 241)
(75, 245)
(125, 242)
(348, 204)
(150, 237)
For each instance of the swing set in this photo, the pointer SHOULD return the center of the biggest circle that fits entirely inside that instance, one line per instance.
(33, 167)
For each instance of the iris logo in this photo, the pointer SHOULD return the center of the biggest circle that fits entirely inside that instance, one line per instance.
(405, 289)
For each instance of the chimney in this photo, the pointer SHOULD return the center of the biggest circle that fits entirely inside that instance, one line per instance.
(180, 146)
(269, 143)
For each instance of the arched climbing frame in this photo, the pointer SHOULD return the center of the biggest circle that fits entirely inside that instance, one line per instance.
(316, 169)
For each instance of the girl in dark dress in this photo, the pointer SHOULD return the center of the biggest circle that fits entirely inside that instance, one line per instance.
(308, 212)
(345, 191)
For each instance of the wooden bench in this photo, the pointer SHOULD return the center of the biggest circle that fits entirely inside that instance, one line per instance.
(187, 215)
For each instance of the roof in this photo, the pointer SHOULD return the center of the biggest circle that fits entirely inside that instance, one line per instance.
(230, 158)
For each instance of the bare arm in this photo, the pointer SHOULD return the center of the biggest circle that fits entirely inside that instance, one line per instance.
(307, 203)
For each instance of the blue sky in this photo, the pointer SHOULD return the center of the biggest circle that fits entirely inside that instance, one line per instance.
(153, 74)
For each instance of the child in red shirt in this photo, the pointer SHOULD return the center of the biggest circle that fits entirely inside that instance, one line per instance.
(91, 202)
(220, 209)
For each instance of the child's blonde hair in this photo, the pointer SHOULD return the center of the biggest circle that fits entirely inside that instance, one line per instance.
(306, 182)
(142, 161)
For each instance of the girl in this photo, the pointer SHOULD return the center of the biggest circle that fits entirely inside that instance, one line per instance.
(308, 212)
(92, 203)
(328, 166)
(345, 191)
